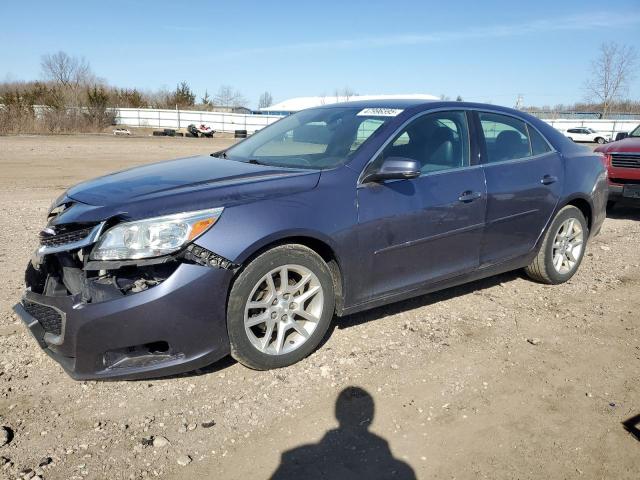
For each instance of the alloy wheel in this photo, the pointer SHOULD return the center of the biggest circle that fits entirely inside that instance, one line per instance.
(283, 309)
(567, 246)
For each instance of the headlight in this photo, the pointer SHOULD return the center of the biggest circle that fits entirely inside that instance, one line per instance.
(153, 237)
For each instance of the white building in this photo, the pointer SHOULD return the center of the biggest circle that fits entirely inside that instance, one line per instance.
(300, 103)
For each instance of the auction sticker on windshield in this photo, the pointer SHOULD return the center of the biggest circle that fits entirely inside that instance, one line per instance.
(380, 112)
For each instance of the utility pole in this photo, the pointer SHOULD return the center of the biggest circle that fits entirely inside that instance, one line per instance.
(519, 102)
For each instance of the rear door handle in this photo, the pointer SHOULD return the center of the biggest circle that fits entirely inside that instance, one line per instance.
(469, 196)
(548, 180)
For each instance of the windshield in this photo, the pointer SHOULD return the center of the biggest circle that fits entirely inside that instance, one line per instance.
(635, 132)
(317, 138)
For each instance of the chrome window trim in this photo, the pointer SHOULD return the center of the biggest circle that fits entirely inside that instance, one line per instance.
(517, 160)
(464, 109)
(92, 237)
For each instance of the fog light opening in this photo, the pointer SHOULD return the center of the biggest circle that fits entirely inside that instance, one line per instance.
(157, 347)
(137, 356)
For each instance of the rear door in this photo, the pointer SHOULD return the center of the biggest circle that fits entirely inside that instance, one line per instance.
(524, 177)
(427, 228)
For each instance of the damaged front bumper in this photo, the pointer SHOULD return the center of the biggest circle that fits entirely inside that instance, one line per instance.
(127, 320)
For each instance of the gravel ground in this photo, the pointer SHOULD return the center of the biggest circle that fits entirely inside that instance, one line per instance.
(501, 378)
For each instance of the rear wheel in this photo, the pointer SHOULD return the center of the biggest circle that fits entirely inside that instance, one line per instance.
(600, 140)
(280, 307)
(562, 249)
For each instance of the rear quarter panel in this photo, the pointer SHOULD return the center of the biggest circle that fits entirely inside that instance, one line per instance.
(586, 178)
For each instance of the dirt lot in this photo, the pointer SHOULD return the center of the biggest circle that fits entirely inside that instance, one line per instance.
(499, 379)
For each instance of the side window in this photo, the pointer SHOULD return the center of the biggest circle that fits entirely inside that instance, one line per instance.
(505, 137)
(438, 141)
(538, 144)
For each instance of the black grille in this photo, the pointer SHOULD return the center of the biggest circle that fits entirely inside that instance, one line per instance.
(49, 318)
(64, 238)
(625, 161)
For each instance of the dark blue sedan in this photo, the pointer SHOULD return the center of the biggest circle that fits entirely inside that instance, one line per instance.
(252, 251)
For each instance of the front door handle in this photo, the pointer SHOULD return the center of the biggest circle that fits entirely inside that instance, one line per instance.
(548, 180)
(469, 196)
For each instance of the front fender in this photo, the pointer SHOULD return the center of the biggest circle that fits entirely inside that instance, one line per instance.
(325, 214)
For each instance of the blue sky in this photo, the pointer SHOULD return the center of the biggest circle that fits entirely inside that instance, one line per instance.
(490, 50)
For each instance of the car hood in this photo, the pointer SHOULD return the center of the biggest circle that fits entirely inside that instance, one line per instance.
(625, 145)
(192, 183)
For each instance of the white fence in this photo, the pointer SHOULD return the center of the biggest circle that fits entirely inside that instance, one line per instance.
(228, 122)
(218, 121)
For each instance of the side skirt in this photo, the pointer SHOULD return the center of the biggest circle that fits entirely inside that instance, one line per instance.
(483, 272)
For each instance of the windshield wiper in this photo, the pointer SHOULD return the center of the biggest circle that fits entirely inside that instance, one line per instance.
(255, 162)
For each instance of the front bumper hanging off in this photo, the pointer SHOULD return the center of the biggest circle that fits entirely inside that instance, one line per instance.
(175, 326)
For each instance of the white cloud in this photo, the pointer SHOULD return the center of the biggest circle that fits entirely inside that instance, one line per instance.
(591, 21)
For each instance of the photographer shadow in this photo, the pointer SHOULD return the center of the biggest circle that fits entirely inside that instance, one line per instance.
(350, 451)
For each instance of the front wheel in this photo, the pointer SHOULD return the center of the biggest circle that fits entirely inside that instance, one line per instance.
(562, 249)
(280, 307)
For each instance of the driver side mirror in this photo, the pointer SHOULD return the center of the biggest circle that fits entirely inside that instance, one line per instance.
(394, 168)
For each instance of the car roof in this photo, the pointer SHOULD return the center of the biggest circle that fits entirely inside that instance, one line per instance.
(427, 104)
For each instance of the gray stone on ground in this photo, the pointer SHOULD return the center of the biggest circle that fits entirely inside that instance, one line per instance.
(5, 436)
(159, 442)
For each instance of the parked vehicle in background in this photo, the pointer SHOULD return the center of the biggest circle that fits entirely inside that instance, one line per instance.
(251, 252)
(584, 134)
(622, 159)
(201, 130)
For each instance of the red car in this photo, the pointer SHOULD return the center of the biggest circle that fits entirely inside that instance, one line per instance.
(623, 164)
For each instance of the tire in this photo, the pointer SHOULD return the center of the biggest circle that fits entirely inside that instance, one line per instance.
(600, 140)
(542, 268)
(261, 346)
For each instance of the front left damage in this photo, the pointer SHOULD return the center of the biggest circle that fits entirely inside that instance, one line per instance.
(124, 319)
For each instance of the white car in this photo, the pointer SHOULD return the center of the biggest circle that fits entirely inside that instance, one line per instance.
(585, 134)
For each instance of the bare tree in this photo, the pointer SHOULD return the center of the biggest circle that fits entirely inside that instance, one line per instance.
(228, 96)
(343, 95)
(206, 100)
(266, 100)
(612, 71)
(348, 92)
(65, 70)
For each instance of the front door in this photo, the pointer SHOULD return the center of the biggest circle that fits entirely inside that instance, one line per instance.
(428, 228)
